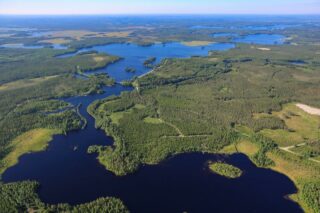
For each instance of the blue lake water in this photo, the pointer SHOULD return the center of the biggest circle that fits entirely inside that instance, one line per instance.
(134, 55)
(266, 39)
(67, 174)
(37, 34)
(219, 35)
(59, 47)
(262, 39)
(297, 62)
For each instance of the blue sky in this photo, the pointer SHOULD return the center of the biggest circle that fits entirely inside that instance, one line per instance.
(159, 6)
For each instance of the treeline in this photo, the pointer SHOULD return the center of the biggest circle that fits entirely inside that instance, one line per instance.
(186, 71)
(22, 197)
(265, 145)
(311, 194)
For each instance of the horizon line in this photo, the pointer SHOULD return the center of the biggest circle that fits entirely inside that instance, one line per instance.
(154, 14)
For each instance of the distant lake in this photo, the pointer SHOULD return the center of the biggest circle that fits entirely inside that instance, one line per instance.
(59, 47)
(219, 35)
(267, 39)
(36, 34)
(297, 62)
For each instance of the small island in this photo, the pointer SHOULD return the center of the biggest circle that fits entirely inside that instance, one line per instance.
(149, 62)
(225, 169)
(130, 69)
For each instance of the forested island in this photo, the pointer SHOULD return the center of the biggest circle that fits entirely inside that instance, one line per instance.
(225, 169)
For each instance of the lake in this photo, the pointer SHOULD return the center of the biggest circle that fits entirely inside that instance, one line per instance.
(67, 174)
(261, 39)
(297, 62)
(134, 55)
(266, 39)
(219, 35)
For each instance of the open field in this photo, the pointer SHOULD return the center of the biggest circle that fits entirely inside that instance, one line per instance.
(82, 34)
(24, 83)
(303, 172)
(301, 127)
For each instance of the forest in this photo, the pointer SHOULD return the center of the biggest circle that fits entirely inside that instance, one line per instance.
(22, 197)
(202, 105)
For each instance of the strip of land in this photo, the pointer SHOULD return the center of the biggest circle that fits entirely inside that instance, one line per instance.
(309, 109)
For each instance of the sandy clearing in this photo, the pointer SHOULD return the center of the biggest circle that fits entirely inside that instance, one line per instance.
(260, 48)
(56, 41)
(309, 109)
(264, 49)
(197, 43)
(99, 58)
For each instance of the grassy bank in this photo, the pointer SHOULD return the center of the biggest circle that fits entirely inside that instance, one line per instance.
(302, 172)
(32, 141)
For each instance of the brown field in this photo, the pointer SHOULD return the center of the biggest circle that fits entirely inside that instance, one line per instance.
(56, 41)
(196, 43)
(81, 34)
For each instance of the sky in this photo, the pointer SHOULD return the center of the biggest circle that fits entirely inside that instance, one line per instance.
(75, 7)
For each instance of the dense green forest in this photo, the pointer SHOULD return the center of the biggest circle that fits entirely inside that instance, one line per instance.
(201, 105)
(199, 101)
(22, 197)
